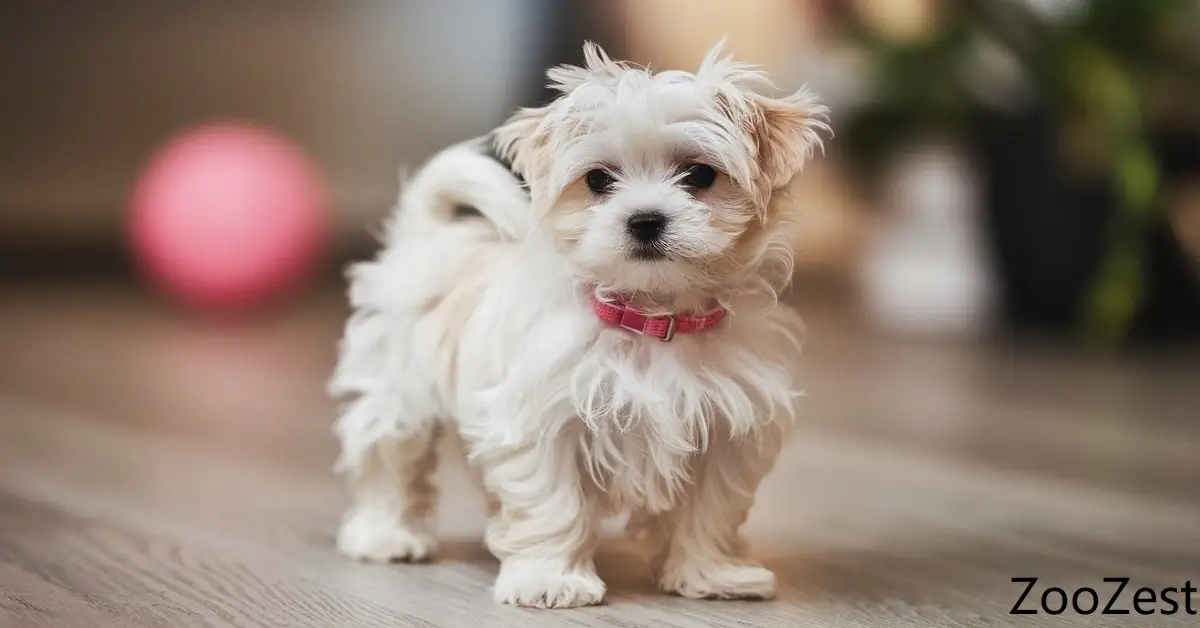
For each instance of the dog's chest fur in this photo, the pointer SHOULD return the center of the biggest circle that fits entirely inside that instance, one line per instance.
(538, 369)
(651, 410)
(633, 470)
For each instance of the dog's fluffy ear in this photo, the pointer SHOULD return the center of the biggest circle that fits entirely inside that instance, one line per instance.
(519, 138)
(523, 138)
(787, 131)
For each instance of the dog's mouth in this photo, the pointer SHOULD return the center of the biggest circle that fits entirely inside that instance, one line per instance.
(647, 253)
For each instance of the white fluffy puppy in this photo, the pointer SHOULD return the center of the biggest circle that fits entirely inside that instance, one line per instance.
(609, 341)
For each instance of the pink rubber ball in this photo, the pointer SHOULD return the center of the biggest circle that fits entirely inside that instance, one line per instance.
(228, 216)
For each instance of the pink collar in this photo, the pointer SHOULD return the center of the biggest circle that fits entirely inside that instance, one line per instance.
(663, 327)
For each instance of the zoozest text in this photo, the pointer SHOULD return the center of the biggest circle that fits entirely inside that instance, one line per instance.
(1116, 597)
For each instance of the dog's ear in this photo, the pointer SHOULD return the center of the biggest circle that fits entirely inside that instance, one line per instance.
(787, 131)
(524, 137)
(520, 137)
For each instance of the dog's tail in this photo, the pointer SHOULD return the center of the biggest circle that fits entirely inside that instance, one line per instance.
(465, 182)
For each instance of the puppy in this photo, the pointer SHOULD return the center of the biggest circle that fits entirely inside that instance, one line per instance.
(605, 338)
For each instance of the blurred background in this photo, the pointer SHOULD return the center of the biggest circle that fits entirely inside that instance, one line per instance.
(999, 270)
(1006, 177)
(1022, 165)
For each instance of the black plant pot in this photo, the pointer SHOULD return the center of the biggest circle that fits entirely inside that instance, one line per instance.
(1048, 231)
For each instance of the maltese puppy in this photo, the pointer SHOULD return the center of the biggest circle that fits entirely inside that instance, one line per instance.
(588, 299)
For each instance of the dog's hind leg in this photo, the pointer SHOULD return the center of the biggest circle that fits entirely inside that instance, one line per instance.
(394, 498)
(388, 432)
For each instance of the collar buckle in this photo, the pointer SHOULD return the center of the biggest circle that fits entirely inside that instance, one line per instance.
(672, 322)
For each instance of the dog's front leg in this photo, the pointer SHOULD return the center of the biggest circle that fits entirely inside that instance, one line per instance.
(703, 553)
(544, 531)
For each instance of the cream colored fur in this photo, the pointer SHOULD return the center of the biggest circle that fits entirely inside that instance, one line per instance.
(484, 327)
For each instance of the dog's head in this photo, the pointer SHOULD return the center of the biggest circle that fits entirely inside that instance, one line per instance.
(661, 183)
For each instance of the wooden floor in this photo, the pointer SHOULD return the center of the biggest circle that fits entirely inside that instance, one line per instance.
(159, 471)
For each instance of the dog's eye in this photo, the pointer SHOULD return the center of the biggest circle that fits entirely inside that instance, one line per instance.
(599, 181)
(700, 176)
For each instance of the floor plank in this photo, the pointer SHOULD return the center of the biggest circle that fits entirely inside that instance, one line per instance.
(157, 470)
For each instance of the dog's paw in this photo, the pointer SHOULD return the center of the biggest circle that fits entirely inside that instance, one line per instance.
(375, 536)
(541, 583)
(716, 581)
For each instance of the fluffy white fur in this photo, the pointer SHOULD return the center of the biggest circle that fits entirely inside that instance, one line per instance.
(484, 326)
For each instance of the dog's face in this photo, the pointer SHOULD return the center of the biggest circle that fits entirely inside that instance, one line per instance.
(661, 183)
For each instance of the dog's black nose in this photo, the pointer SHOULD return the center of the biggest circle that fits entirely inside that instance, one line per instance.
(647, 226)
